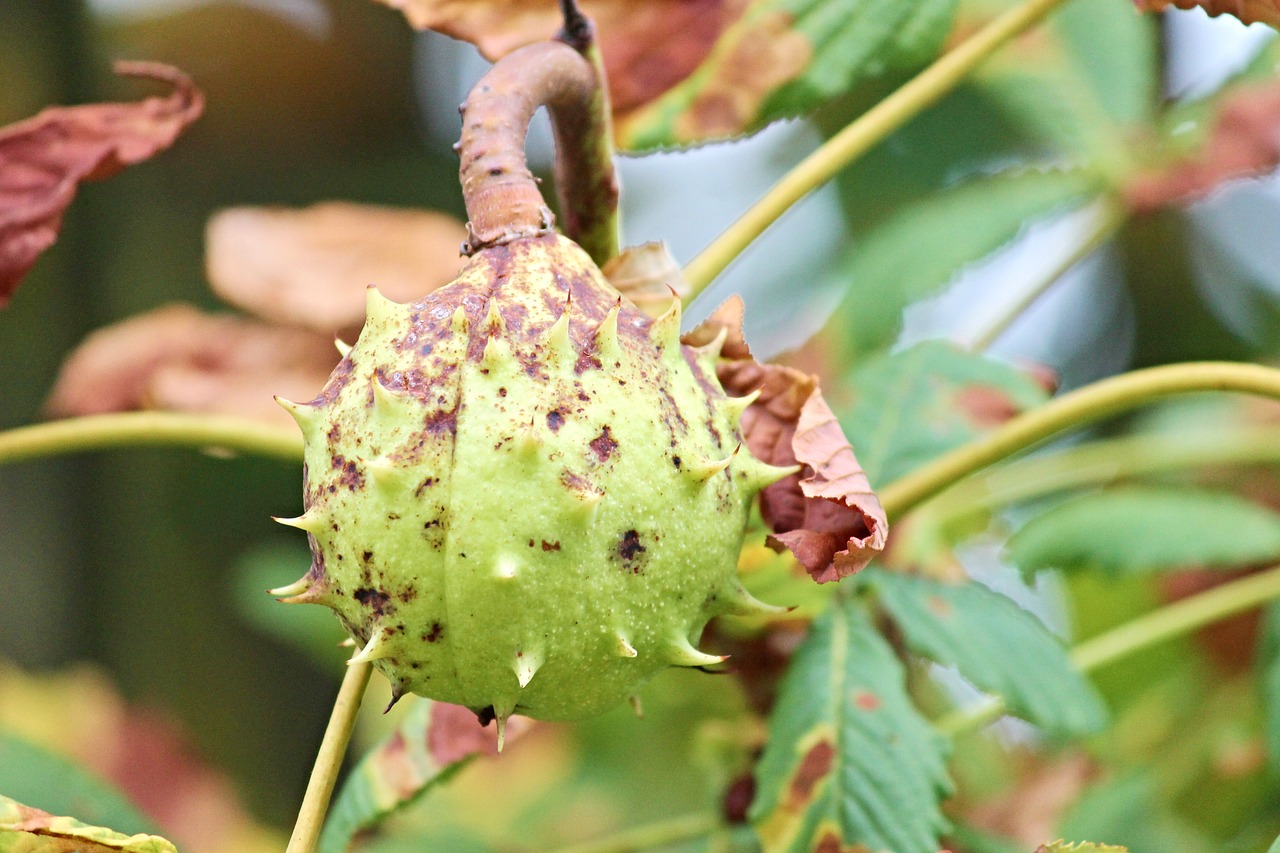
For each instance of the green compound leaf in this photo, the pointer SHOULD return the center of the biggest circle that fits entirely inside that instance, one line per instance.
(32, 774)
(783, 58)
(913, 405)
(915, 252)
(28, 830)
(1147, 529)
(432, 742)
(849, 760)
(995, 644)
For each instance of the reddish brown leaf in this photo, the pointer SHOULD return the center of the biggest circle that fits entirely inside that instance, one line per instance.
(311, 267)
(1243, 141)
(180, 359)
(1249, 11)
(826, 514)
(647, 46)
(45, 158)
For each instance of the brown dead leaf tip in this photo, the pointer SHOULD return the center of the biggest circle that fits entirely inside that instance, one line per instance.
(44, 159)
(1243, 142)
(1248, 11)
(826, 514)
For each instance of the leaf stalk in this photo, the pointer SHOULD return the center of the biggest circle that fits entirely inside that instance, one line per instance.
(1086, 405)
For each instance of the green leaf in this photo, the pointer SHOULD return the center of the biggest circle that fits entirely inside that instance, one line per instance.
(32, 774)
(432, 742)
(1147, 529)
(995, 644)
(1269, 683)
(925, 245)
(1275, 846)
(783, 58)
(1083, 82)
(28, 830)
(1080, 847)
(849, 759)
(913, 405)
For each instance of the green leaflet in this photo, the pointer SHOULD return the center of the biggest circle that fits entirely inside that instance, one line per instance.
(1269, 685)
(783, 58)
(1083, 82)
(1145, 529)
(913, 405)
(848, 756)
(28, 830)
(1081, 847)
(916, 251)
(1275, 846)
(399, 770)
(32, 774)
(995, 644)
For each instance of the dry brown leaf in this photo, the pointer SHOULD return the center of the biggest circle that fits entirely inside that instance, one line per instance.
(647, 275)
(45, 158)
(827, 514)
(1243, 142)
(648, 45)
(1032, 808)
(178, 358)
(311, 267)
(1249, 11)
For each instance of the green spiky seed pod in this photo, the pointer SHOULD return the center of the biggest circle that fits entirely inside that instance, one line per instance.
(523, 494)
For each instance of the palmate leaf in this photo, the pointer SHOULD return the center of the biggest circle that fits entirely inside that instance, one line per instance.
(1147, 529)
(29, 830)
(913, 405)
(849, 760)
(784, 58)
(995, 644)
(915, 252)
(431, 743)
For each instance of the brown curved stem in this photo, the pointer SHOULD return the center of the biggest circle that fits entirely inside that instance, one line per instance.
(502, 196)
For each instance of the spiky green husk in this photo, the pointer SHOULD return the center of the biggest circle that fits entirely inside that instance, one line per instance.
(524, 494)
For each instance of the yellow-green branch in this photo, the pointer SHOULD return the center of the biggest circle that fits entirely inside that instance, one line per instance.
(150, 429)
(861, 135)
(1078, 408)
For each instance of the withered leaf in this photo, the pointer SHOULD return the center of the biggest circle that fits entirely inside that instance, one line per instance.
(45, 158)
(178, 358)
(647, 275)
(26, 828)
(648, 47)
(310, 267)
(826, 514)
(1249, 11)
(1242, 141)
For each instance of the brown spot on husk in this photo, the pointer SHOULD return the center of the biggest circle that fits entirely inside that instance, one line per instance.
(604, 445)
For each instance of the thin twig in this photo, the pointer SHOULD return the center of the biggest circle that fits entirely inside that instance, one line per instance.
(1084, 406)
(324, 774)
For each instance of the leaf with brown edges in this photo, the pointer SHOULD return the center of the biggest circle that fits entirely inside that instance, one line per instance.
(826, 514)
(648, 276)
(1241, 140)
(23, 828)
(44, 159)
(1248, 11)
(432, 742)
